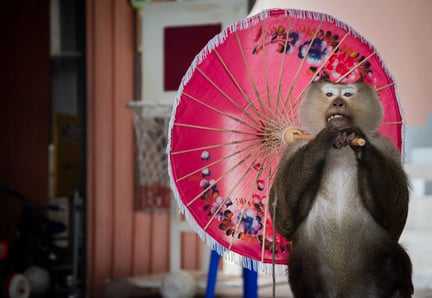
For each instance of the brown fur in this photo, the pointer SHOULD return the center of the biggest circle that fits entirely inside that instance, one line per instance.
(343, 207)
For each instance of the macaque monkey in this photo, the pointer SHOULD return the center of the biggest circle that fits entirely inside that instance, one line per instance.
(343, 206)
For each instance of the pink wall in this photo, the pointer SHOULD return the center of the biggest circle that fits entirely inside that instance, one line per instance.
(400, 30)
(121, 242)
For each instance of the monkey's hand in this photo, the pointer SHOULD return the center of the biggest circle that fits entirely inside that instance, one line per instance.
(345, 138)
(328, 138)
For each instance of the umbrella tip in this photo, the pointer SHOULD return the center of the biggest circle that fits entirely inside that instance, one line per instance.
(289, 134)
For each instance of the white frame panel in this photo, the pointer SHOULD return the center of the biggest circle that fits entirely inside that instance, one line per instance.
(158, 15)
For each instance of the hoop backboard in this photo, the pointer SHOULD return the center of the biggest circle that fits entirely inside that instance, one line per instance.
(172, 34)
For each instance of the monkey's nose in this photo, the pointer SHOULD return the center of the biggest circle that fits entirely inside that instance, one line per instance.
(338, 103)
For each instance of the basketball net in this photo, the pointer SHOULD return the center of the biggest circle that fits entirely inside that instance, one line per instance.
(151, 129)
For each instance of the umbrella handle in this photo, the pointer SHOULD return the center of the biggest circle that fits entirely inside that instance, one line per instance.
(293, 134)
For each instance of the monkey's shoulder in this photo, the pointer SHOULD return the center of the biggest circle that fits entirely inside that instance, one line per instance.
(386, 146)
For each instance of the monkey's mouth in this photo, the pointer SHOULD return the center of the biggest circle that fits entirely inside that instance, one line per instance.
(338, 119)
(335, 116)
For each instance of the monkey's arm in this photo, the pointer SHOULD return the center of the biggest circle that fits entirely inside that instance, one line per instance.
(297, 181)
(386, 183)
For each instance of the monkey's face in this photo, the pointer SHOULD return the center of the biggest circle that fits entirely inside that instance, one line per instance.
(340, 105)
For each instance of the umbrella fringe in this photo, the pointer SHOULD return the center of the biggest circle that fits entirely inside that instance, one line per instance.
(251, 264)
(228, 255)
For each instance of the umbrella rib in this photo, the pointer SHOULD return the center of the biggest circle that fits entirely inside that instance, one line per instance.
(249, 71)
(392, 123)
(237, 119)
(215, 129)
(224, 201)
(281, 68)
(318, 70)
(237, 83)
(224, 94)
(213, 146)
(219, 179)
(300, 67)
(249, 196)
(231, 191)
(215, 162)
(384, 87)
(273, 230)
(273, 219)
(355, 67)
(273, 242)
(265, 68)
(266, 210)
(259, 134)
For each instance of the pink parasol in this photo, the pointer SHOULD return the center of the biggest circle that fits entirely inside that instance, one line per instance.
(234, 104)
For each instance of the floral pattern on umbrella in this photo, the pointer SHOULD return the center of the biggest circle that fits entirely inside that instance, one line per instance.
(246, 218)
(235, 101)
(344, 65)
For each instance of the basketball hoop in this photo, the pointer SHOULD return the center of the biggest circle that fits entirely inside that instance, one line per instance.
(151, 126)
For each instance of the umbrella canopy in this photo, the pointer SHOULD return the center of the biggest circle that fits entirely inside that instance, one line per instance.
(234, 103)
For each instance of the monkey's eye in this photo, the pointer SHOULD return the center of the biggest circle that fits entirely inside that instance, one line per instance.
(349, 91)
(329, 90)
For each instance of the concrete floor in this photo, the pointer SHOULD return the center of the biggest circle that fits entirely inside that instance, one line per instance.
(230, 286)
(416, 238)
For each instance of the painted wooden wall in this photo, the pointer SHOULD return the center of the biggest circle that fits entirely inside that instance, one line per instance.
(121, 242)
